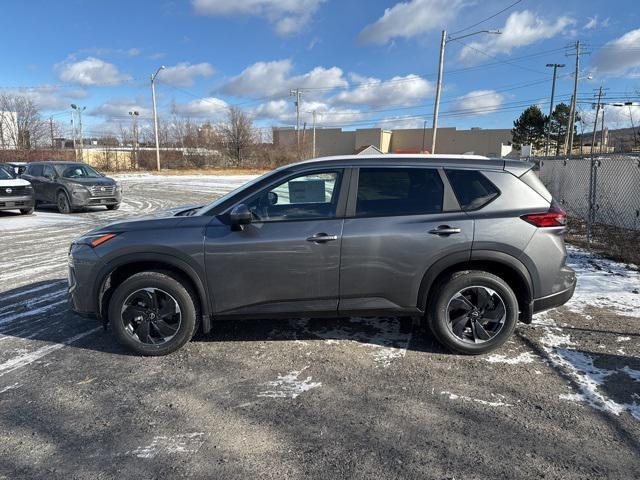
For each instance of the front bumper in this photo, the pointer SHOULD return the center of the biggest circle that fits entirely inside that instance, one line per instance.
(567, 287)
(82, 198)
(83, 264)
(16, 203)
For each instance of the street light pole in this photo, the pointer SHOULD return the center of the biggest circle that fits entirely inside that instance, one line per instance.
(436, 107)
(314, 133)
(155, 115)
(134, 118)
(80, 110)
(553, 92)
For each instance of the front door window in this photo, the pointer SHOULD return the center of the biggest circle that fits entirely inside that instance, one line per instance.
(303, 197)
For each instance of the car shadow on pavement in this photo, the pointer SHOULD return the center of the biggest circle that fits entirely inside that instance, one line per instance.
(39, 311)
(389, 332)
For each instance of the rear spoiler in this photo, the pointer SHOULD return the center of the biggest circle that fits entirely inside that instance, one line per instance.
(517, 167)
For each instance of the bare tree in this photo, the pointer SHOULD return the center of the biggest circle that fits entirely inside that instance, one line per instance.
(237, 134)
(26, 129)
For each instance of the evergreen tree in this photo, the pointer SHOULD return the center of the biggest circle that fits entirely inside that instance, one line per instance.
(529, 128)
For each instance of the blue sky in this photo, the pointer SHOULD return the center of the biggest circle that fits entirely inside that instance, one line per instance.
(359, 63)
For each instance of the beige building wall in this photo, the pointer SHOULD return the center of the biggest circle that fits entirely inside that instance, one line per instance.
(335, 141)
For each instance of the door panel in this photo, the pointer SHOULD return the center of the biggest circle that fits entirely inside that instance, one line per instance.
(403, 219)
(287, 261)
(385, 258)
(271, 267)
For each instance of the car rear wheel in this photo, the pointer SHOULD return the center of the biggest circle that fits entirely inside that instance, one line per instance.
(473, 312)
(62, 201)
(26, 211)
(153, 313)
(113, 207)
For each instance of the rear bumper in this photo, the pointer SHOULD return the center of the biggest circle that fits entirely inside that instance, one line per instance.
(16, 203)
(568, 286)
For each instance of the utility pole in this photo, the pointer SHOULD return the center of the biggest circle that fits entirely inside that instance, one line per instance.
(73, 133)
(436, 108)
(572, 111)
(592, 170)
(134, 130)
(297, 93)
(553, 92)
(155, 115)
(79, 110)
(51, 130)
(424, 134)
(602, 132)
(314, 133)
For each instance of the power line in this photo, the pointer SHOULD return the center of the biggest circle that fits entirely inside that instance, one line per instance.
(488, 18)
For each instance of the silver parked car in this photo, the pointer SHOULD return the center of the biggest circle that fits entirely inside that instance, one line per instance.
(472, 245)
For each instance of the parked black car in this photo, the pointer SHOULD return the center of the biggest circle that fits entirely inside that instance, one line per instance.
(72, 185)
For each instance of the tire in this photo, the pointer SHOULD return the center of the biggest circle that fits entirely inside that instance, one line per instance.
(473, 331)
(173, 289)
(63, 204)
(113, 207)
(26, 211)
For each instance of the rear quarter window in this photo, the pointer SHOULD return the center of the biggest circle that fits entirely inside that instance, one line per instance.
(532, 180)
(472, 188)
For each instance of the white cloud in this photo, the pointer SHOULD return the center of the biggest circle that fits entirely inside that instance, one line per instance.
(410, 19)
(521, 29)
(264, 79)
(50, 97)
(594, 22)
(614, 117)
(209, 107)
(479, 102)
(90, 72)
(403, 91)
(283, 111)
(119, 108)
(287, 16)
(184, 73)
(620, 56)
(401, 123)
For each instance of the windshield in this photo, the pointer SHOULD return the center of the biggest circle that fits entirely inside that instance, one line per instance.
(78, 171)
(4, 175)
(218, 201)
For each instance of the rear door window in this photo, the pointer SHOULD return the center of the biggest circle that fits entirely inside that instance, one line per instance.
(472, 188)
(399, 191)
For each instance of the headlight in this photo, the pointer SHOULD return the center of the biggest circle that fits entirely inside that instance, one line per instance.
(94, 240)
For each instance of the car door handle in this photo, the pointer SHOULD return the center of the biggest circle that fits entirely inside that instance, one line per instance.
(444, 230)
(322, 238)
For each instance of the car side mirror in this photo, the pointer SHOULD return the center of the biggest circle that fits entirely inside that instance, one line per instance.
(240, 216)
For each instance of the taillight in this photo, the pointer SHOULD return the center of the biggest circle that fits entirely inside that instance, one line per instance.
(555, 217)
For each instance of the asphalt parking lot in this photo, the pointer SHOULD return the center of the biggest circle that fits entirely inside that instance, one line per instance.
(346, 398)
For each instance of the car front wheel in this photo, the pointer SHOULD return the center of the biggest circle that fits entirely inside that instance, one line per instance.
(113, 207)
(153, 313)
(26, 211)
(62, 201)
(473, 312)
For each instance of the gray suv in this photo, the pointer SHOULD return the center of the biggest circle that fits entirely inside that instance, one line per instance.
(472, 245)
(72, 186)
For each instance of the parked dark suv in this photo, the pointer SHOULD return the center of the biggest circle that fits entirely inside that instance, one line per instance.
(72, 185)
(470, 244)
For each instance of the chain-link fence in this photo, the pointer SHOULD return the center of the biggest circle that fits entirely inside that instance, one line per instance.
(602, 197)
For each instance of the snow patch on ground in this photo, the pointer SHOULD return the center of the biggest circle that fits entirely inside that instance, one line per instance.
(603, 283)
(289, 385)
(525, 357)
(499, 403)
(184, 443)
(382, 335)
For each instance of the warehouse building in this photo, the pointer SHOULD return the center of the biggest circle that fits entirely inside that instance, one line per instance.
(335, 141)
